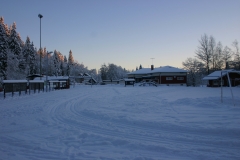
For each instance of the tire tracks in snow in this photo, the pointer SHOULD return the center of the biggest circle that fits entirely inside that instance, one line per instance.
(160, 137)
(75, 121)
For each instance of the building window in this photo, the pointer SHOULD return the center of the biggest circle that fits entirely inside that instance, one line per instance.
(180, 78)
(169, 78)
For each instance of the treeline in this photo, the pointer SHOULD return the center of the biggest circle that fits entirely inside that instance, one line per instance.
(209, 57)
(112, 72)
(18, 59)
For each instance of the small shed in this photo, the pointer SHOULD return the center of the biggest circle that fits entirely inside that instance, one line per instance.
(111, 81)
(36, 85)
(129, 82)
(14, 86)
(214, 79)
(84, 78)
(58, 82)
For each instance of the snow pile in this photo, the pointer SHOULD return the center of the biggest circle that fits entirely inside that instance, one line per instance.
(116, 122)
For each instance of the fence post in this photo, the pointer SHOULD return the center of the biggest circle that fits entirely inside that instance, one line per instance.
(12, 90)
(29, 87)
(26, 89)
(4, 90)
(19, 87)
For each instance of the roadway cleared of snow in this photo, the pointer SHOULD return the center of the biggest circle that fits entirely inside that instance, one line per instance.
(117, 122)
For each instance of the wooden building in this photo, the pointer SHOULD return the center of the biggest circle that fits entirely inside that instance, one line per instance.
(129, 82)
(56, 82)
(84, 78)
(163, 75)
(214, 79)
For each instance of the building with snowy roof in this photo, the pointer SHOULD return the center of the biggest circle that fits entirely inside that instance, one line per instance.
(84, 78)
(214, 79)
(163, 75)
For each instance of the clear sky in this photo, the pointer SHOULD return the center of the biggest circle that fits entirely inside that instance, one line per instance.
(124, 32)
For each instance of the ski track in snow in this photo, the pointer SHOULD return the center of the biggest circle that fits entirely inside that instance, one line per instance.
(116, 122)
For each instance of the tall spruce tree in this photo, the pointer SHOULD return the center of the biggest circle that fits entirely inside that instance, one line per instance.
(56, 62)
(44, 60)
(70, 58)
(36, 60)
(70, 62)
(65, 66)
(14, 43)
(7, 30)
(33, 55)
(13, 71)
(29, 56)
(15, 46)
(61, 61)
(3, 50)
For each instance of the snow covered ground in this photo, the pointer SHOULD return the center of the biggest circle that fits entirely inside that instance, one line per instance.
(117, 122)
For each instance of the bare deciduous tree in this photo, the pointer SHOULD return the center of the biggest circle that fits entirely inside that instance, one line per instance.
(236, 55)
(218, 56)
(195, 71)
(227, 55)
(212, 46)
(203, 52)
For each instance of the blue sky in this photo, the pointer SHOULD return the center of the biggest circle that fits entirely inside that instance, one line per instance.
(124, 32)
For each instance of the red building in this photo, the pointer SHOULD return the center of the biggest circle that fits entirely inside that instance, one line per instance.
(163, 75)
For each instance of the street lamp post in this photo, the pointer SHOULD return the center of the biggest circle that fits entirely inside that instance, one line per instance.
(48, 53)
(40, 16)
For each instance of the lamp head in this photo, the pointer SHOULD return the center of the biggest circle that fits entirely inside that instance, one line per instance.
(40, 16)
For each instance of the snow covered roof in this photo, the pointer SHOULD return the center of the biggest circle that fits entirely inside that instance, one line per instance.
(84, 75)
(53, 78)
(126, 79)
(141, 71)
(15, 81)
(34, 76)
(36, 81)
(53, 81)
(217, 74)
(164, 69)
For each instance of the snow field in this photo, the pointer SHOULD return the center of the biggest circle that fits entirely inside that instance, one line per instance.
(116, 122)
